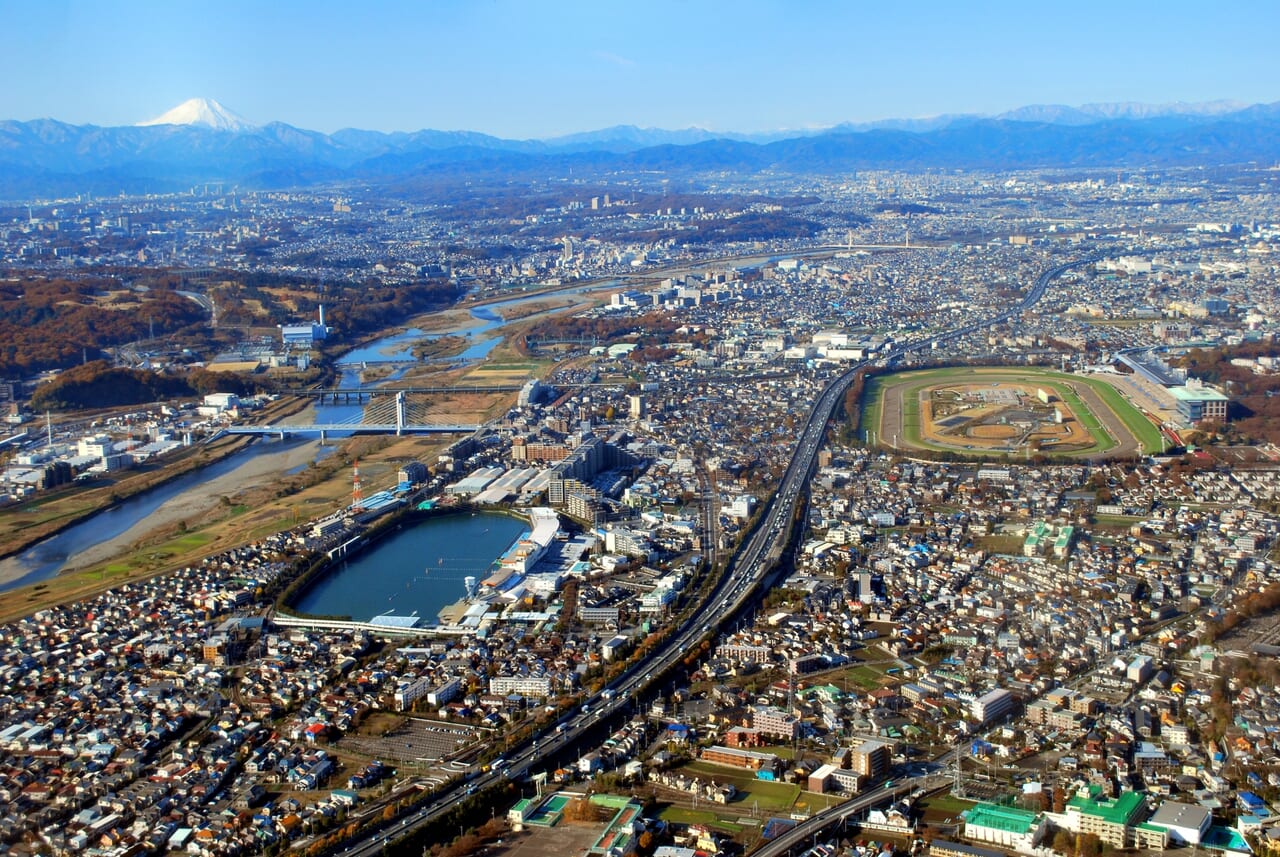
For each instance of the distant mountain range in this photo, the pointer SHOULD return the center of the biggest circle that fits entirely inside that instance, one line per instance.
(201, 141)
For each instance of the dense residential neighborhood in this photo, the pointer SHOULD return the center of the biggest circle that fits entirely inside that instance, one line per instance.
(1040, 620)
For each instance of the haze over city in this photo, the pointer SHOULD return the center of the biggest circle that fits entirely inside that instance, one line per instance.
(531, 70)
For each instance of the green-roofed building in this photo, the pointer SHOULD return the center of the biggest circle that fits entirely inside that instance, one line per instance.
(1062, 542)
(1040, 533)
(829, 692)
(519, 813)
(1112, 819)
(1006, 826)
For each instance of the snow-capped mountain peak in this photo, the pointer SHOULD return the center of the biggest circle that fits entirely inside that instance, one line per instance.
(204, 112)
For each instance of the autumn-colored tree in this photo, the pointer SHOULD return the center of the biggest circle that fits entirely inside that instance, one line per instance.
(493, 828)
(99, 384)
(51, 324)
(581, 809)
(464, 845)
(1089, 844)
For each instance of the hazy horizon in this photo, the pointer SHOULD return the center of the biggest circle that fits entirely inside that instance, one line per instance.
(525, 71)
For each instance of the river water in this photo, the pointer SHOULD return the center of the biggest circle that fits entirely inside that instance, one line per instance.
(419, 569)
(59, 552)
(46, 558)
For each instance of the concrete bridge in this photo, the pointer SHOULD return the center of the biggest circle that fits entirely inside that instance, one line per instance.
(324, 429)
(364, 394)
(379, 420)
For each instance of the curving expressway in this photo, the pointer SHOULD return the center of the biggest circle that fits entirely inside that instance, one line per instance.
(736, 588)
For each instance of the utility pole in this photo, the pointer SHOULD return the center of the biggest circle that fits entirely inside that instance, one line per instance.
(957, 788)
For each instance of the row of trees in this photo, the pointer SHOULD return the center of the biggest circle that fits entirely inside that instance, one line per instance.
(1252, 606)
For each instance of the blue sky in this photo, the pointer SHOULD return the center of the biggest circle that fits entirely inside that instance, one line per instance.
(536, 69)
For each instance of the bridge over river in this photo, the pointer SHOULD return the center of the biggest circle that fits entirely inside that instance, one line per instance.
(386, 414)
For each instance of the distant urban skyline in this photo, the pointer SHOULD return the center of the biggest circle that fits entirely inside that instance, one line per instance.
(532, 70)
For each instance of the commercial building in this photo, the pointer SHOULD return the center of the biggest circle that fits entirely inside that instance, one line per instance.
(584, 506)
(409, 693)
(732, 757)
(532, 686)
(1187, 824)
(1197, 403)
(523, 449)
(1006, 826)
(744, 653)
(597, 615)
(303, 335)
(774, 722)
(871, 758)
(525, 554)
(947, 848)
(991, 706)
(1112, 819)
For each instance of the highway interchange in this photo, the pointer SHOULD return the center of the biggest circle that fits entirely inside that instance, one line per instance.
(742, 581)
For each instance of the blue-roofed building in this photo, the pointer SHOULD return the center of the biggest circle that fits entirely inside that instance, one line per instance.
(390, 620)
(1252, 804)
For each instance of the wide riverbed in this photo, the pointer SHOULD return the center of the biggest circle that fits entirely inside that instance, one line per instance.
(111, 532)
(185, 498)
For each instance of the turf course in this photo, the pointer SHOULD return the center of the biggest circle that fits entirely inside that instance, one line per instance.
(907, 386)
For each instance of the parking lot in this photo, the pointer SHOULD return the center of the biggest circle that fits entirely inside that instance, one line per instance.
(558, 841)
(414, 741)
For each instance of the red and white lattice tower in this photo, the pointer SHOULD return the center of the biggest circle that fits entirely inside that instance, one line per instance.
(357, 494)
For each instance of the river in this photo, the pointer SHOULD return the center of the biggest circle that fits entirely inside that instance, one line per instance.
(114, 529)
(419, 569)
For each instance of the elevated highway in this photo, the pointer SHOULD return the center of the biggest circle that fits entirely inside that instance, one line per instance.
(748, 574)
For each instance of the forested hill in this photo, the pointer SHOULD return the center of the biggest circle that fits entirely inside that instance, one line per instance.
(56, 323)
